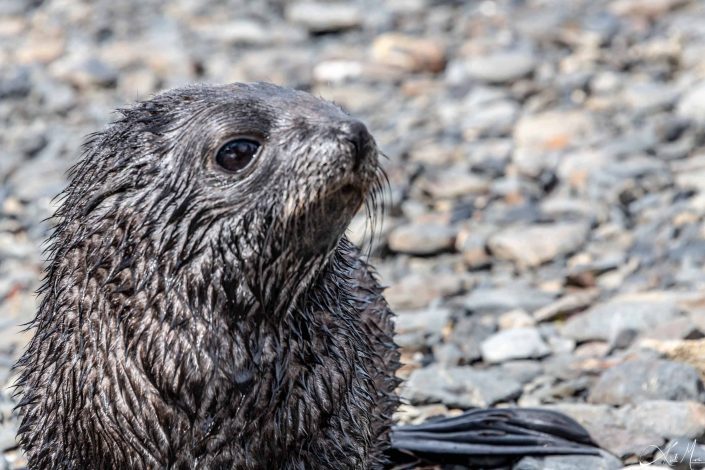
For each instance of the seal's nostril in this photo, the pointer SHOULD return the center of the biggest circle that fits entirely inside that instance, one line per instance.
(356, 132)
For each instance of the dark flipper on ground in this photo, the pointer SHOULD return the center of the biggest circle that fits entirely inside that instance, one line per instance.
(489, 437)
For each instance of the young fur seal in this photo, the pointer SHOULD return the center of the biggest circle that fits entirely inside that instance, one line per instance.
(203, 309)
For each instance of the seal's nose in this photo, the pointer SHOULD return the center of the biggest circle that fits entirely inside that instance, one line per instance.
(356, 132)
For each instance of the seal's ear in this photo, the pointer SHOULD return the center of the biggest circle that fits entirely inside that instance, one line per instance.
(236, 154)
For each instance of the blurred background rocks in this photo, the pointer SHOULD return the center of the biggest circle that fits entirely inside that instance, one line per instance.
(544, 243)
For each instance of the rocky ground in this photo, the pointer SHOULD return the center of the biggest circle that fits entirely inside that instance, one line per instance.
(545, 237)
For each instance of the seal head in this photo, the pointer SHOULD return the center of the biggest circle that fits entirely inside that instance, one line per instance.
(261, 178)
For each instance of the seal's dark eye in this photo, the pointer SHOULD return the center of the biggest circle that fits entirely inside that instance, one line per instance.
(237, 154)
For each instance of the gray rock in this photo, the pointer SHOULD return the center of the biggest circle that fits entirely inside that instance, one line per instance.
(92, 72)
(462, 387)
(454, 183)
(503, 299)
(320, 17)
(560, 207)
(560, 345)
(408, 53)
(516, 343)
(8, 430)
(650, 96)
(416, 330)
(421, 239)
(15, 85)
(501, 67)
(522, 370)
(638, 312)
(15, 7)
(679, 328)
(57, 96)
(493, 119)
(690, 173)
(605, 426)
(648, 8)
(534, 245)
(553, 130)
(646, 379)
(605, 461)
(447, 354)
(692, 103)
(419, 290)
(585, 113)
(12, 246)
(39, 178)
(566, 305)
(515, 319)
(668, 419)
(468, 333)
(545, 390)
(471, 241)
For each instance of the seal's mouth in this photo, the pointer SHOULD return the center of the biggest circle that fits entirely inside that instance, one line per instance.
(347, 194)
(350, 194)
(350, 189)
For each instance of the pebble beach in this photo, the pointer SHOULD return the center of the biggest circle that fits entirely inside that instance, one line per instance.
(543, 241)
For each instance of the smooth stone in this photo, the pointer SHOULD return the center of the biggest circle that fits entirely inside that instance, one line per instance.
(337, 71)
(467, 334)
(91, 72)
(692, 103)
(454, 183)
(39, 178)
(419, 290)
(558, 207)
(421, 239)
(531, 246)
(606, 82)
(416, 330)
(516, 343)
(668, 419)
(8, 430)
(553, 130)
(687, 351)
(434, 153)
(651, 467)
(605, 426)
(648, 8)
(462, 387)
(676, 329)
(649, 96)
(515, 319)
(560, 345)
(57, 96)
(472, 242)
(501, 67)
(604, 461)
(493, 119)
(15, 85)
(409, 53)
(447, 354)
(503, 299)
(647, 379)
(566, 305)
(638, 312)
(16, 246)
(323, 17)
(522, 370)
(578, 168)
